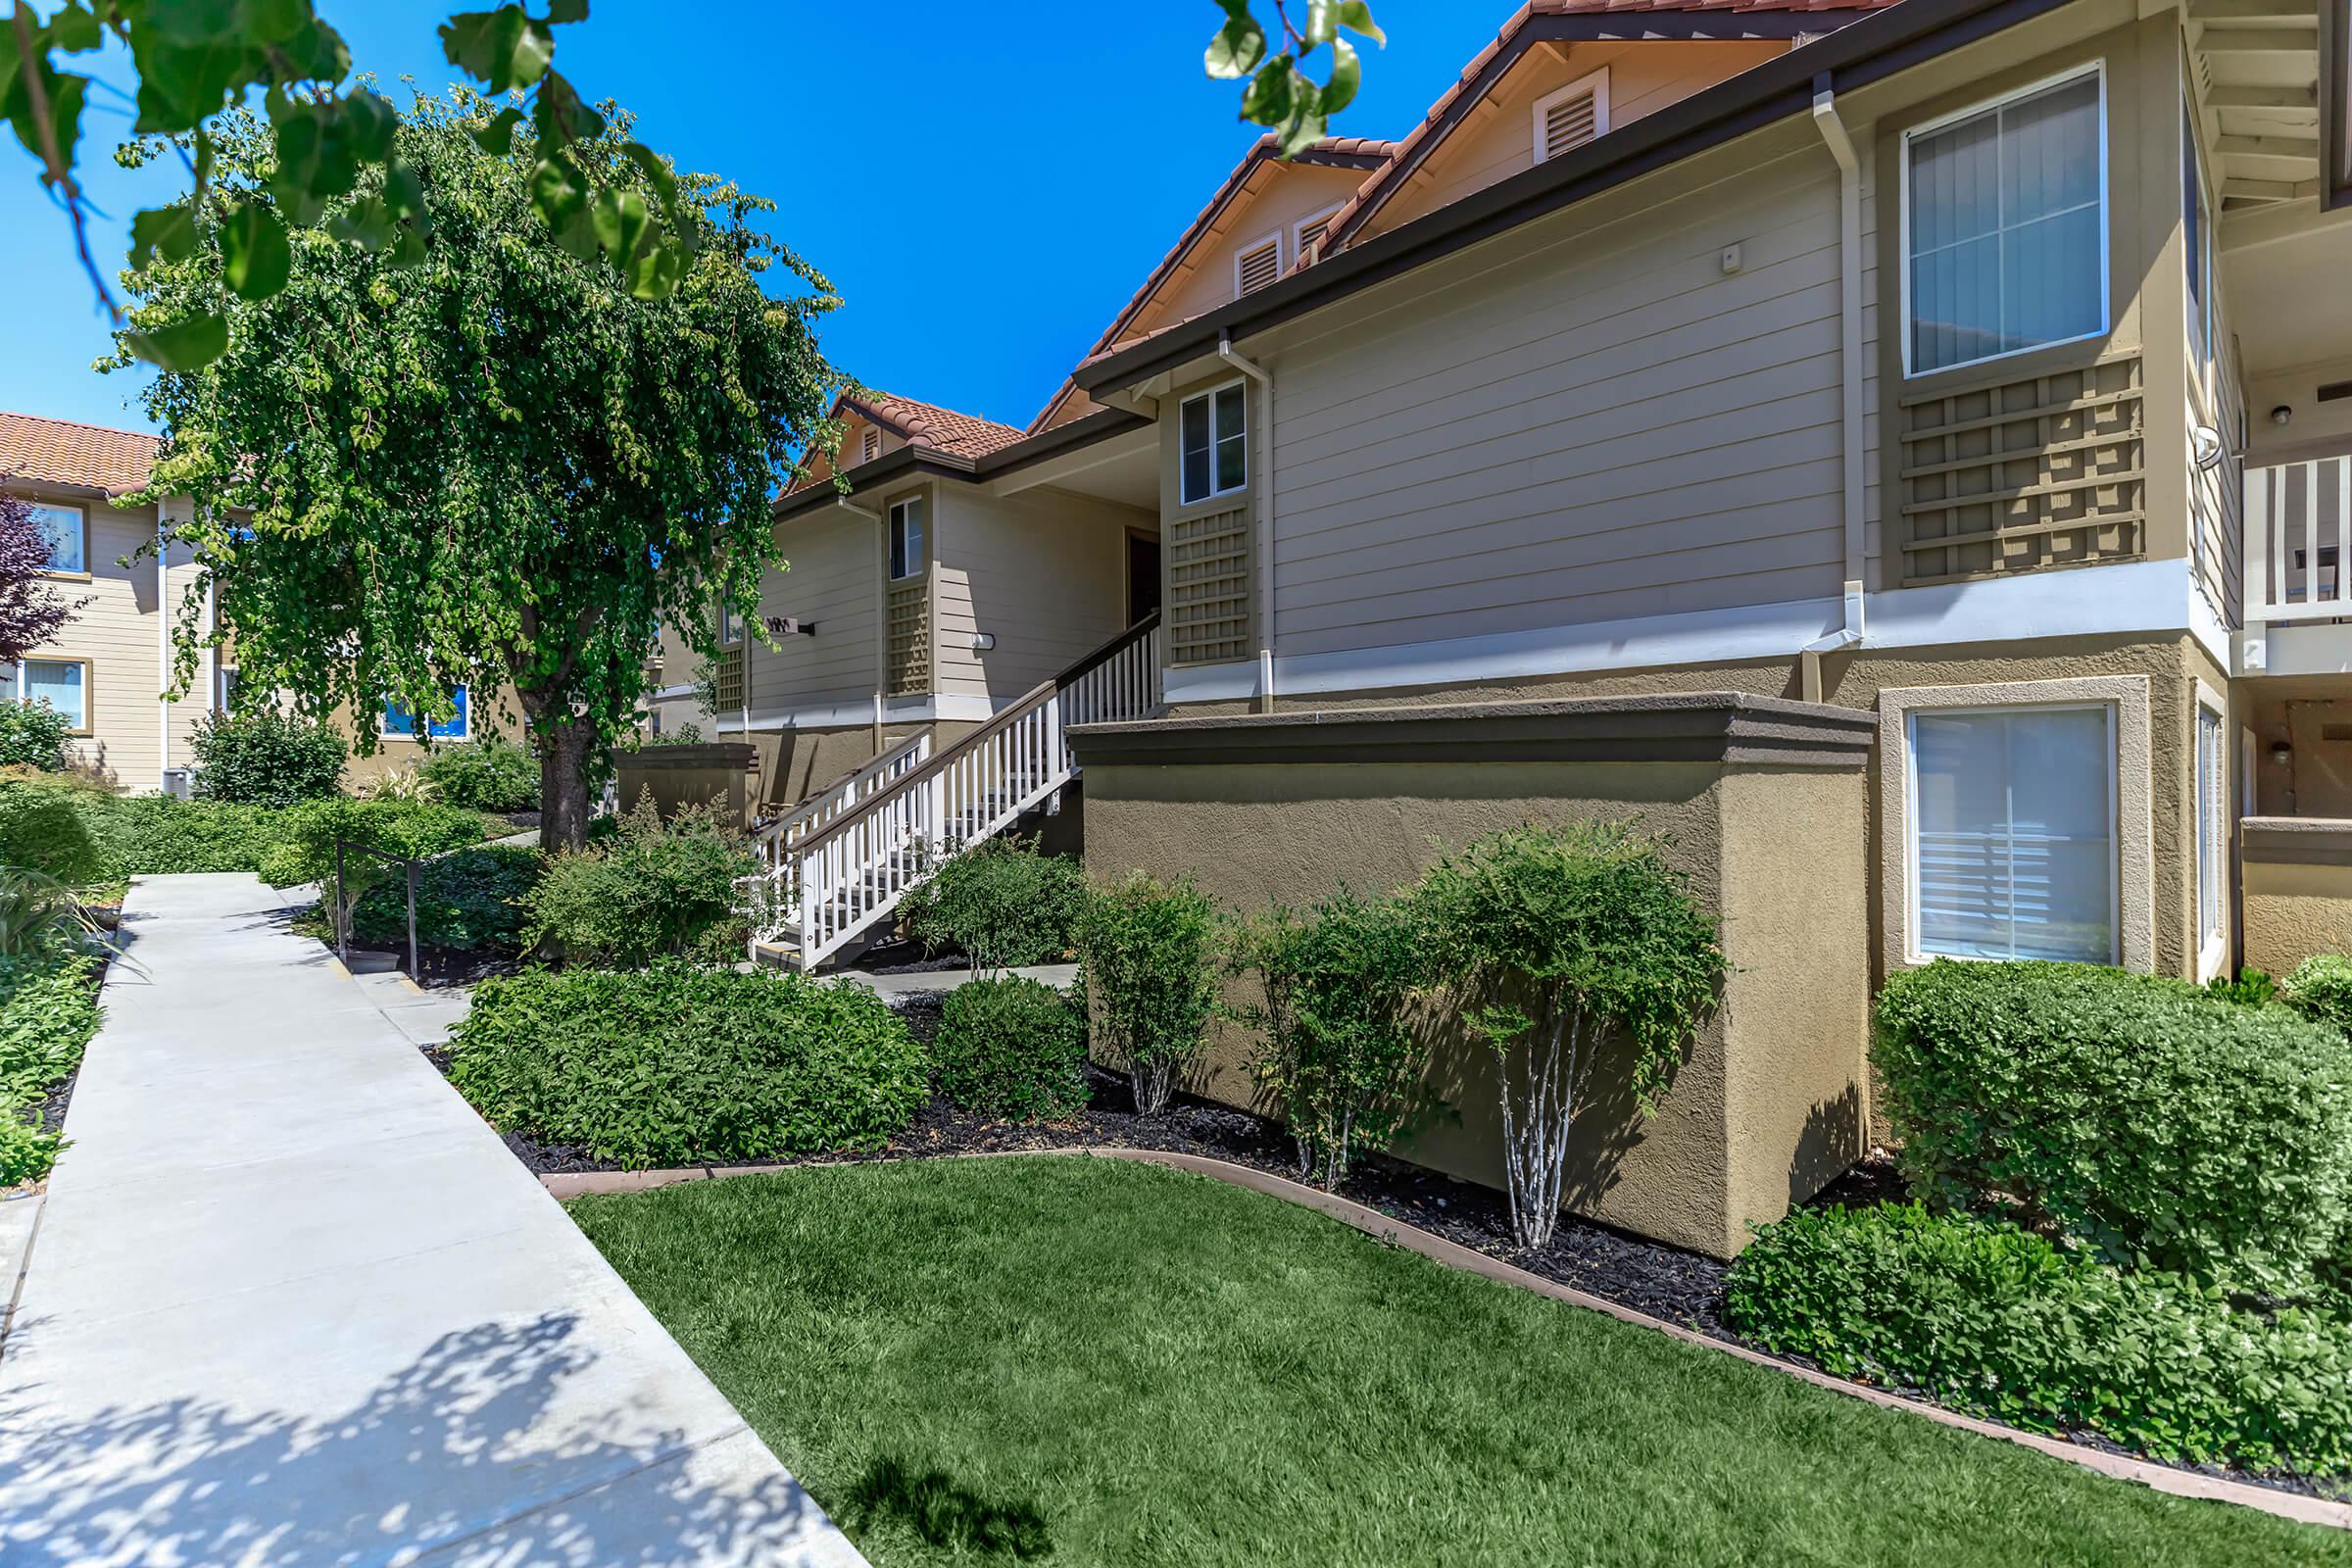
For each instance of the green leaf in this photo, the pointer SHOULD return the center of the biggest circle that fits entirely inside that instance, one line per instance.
(370, 120)
(505, 48)
(560, 12)
(557, 193)
(406, 251)
(75, 30)
(559, 116)
(185, 345)
(653, 273)
(1237, 48)
(404, 192)
(657, 172)
(1322, 22)
(1267, 99)
(576, 236)
(367, 225)
(254, 256)
(274, 21)
(315, 155)
(165, 232)
(64, 91)
(499, 136)
(621, 218)
(1346, 76)
(182, 85)
(1357, 17)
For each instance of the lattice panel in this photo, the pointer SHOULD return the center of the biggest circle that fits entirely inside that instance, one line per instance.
(730, 680)
(910, 644)
(1209, 588)
(2022, 473)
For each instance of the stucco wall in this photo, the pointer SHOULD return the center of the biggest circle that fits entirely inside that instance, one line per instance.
(2297, 890)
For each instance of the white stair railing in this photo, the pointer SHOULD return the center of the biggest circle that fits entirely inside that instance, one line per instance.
(821, 809)
(2299, 541)
(832, 881)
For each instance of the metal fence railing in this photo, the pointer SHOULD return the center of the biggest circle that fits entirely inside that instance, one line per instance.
(343, 910)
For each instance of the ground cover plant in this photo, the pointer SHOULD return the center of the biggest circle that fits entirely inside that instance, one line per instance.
(155, 835)
(1566, 948)
(1011, 1047)
(306, 836)
(467, 900)
(1150, 976)
(263, 756)
(48, 1013)
(967, 1360)
(1003, 903)
(652, 889)
(673, 1064)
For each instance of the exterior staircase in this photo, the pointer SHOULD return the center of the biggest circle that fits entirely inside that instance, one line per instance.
(835, 867)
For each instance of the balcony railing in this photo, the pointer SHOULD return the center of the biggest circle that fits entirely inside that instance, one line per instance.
(2299, 540)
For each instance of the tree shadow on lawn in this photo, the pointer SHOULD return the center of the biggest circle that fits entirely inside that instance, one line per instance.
(945, 1514)
(462, 1455)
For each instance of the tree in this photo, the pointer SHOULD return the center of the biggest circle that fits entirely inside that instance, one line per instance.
(32, 608)
(1280, 94)
(498, 467)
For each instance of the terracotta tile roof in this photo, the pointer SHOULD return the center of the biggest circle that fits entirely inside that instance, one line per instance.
(82, 456)
(1338, 149)
(927, 424)
(1509, 44)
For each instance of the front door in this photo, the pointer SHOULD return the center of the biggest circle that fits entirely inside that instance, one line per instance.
(1143, 576)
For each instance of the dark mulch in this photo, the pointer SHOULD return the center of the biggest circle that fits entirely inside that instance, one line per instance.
(896, 956)
(445, 968)
(53, 1103)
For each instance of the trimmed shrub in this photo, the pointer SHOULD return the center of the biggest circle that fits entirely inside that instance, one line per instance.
(673, 1064)
(265, 757)
(155, 835)
(33, 735)
(1147, 947)
(467, 899)
(1996, 1321)
(1564, 946)
(1011, 1047)
(491, 775)
(1337, 1055)
(1004, 903)
(2320, 990)
(653, 890)
(2162, 1127)
(43, 829)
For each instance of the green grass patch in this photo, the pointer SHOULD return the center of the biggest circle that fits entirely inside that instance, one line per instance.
(1001, 1359)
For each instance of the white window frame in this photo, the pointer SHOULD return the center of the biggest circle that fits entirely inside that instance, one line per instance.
(90, 687)
(2211, 797)
(1598, 83)
(225, 680)
(83, 572)
(2095, 68)
(2199, 277)
(1299, 241)
(1273, 238)
(1210, 394)
(919, 560)
(423, 730)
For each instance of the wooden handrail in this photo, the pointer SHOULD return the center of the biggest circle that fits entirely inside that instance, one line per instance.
(1112, 649)
(847, 780)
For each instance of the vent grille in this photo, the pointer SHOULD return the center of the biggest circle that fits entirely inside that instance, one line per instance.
(1311, 234)
(1258, 268)
(872, 448)
(2335, 391)
(1570, 124)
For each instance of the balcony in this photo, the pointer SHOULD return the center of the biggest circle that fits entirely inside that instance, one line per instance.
(2298, 595)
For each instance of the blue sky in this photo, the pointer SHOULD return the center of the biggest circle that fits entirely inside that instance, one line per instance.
(984, 191)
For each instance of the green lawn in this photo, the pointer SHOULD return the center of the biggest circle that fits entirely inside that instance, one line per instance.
(984, 1360)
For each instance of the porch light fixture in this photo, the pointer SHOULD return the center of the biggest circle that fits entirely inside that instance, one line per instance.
(2206, 447)
(983, 641)
(2281, 752)
(2281, 413)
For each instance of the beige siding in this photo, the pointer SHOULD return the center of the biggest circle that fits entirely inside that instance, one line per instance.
(1279, 198)
(1495, 143)
(833, 559)
(1590, 420)
(1044, 572)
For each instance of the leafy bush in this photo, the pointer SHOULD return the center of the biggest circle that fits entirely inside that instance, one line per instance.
(43, 829)
(410, 829)
(1004, 903)
(469, 899)
(264, 756)
(2320, 990)
(1996, 1321)
(491, 775)
(673, 1064)
(155, 835)
(1147, 947)
(1011, 1047)
(1337, 1055)
(48, 1013)
(653, 890)
(1588, 926)
(33, 735)
(26, 1153)
(2138, 1114)
(2252, 987)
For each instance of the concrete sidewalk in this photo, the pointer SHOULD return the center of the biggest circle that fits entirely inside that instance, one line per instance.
(290, 1301)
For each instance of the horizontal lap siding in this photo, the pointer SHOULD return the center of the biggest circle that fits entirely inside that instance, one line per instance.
(833, 559)
(1584, 423)
(1042, 571)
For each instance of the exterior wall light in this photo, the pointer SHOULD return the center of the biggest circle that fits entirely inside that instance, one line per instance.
(983, 641)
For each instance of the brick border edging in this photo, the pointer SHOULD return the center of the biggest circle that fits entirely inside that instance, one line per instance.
(1452, 1255)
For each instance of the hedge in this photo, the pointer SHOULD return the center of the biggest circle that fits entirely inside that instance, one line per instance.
(673, 1064)
(2163, 1127)
(1998, 1322)
(1011, 1047)
(42, 828)
(470, 899)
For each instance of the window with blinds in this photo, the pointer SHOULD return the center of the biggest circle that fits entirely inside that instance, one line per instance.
(1258, 266)
(1573, 116)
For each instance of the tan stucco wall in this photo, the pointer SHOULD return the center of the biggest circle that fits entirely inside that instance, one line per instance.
(1768, 1104)
(2293, 912)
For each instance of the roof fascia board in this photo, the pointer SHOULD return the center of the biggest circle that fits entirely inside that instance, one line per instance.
(1877, 47)
(902, 463)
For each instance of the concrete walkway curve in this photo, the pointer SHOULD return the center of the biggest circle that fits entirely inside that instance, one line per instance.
(289, 1302)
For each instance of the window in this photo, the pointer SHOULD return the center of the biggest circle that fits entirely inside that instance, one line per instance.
(870, 447)
(399, 722)
(2212, 837)
(2013, 837)
(64, 684)
(68, 532)
(2196, 243)
(1573, 116)
(1215, 439)
(907, 538)
(2005, 227)
(1261, 263)
(225, 689)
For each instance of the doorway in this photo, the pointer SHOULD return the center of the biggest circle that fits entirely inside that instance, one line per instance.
(1143, 576)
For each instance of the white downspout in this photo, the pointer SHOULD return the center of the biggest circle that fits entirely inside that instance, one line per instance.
(1264, 472)
(163, 647)
(1851, 448)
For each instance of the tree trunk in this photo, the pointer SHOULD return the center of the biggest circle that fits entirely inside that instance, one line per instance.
(563, 784)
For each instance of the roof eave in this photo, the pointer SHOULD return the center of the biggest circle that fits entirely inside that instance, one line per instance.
(911, 462)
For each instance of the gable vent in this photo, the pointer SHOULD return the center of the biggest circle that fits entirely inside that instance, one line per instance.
(1570, 124)
(873, 446)
(1255, 269)
(1310, 235)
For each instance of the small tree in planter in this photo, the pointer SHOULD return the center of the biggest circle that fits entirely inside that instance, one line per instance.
(1337, 1056)
(1147, 947)
(1564, 946)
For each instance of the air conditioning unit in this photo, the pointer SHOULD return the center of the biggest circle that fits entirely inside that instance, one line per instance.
(180, 782)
